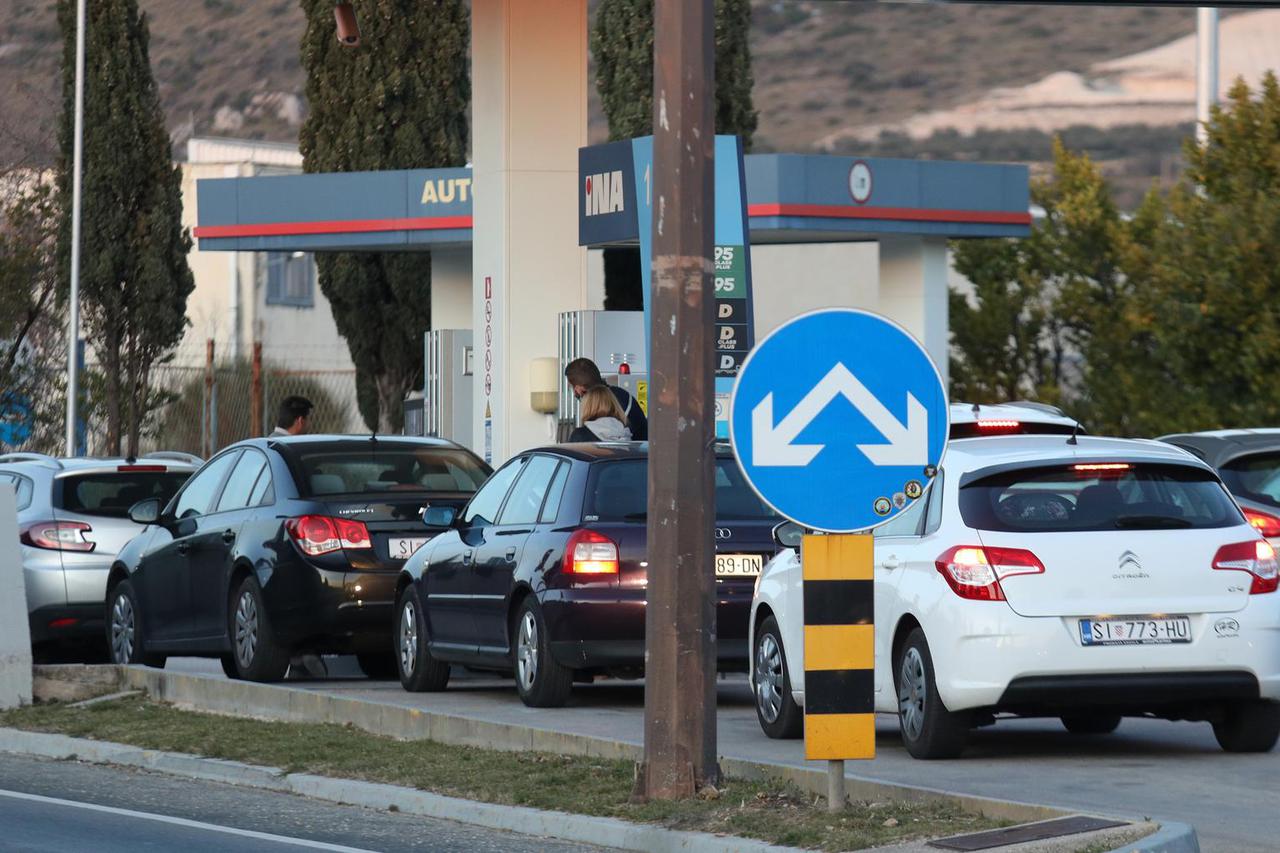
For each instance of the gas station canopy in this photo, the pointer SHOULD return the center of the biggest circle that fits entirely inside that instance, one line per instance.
(791, 198)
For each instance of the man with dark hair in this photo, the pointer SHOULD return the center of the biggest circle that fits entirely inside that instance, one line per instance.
(294, 416)
(583, 375)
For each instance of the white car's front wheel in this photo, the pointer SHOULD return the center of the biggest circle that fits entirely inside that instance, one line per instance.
(779, 715)
(929, 730)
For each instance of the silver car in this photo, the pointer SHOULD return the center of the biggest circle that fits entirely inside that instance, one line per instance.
(73, 517)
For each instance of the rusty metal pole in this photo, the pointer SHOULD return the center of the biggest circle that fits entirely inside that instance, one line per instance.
(680, 655)
(255, 392)
(206, 443)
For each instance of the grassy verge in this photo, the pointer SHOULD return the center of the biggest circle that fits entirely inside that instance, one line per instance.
(775, 812)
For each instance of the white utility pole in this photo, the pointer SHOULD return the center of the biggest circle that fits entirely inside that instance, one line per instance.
(73, 315)
(1206, 68)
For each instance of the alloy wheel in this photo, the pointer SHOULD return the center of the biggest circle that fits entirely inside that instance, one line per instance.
(408, 638)
(911, 693)
(527, 651)
(769, 679)
(246, 630)
(122, 630)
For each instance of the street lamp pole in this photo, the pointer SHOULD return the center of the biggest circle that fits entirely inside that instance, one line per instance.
(1206, 69)
(73, 313)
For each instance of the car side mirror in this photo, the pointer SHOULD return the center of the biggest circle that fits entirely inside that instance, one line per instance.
(439, 516)
(145, 511)
(788, 534)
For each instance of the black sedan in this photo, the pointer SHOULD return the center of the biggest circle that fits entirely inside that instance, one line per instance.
(283, 546)
(543, 574)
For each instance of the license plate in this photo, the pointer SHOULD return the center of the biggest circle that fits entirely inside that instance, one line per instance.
(1135, 631)
(738, 565)
(402, 549)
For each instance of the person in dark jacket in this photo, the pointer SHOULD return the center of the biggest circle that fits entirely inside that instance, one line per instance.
(602, 418)
(583, 375)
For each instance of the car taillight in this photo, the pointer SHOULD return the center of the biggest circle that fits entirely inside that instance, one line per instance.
(590, 553)
(975, 572)
(320, 534)
(141, 469)
(998, 426)
(1257, 558)
(1267, 525)
(58, 536)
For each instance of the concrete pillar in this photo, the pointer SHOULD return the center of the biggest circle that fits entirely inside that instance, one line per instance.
(913, 291)
(529, 103)
(451, 289)
(15, 631)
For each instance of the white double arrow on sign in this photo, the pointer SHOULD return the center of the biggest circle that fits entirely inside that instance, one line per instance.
(771, 445)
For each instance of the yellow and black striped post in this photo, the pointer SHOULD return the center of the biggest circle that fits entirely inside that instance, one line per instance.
(839, 649)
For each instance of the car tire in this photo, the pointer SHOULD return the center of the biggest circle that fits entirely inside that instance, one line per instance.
(1091, 724)
(541, 681)
(259, 655)
(1248, 727)
(419, 671)
(124, 629)
(929, 730)
(378, 665)
(776, 709)
(228, 661)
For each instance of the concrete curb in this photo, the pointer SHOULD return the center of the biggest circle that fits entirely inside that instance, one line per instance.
(599, 831)
(1169, 838)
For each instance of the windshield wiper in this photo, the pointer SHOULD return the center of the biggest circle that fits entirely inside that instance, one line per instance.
(1153, 521)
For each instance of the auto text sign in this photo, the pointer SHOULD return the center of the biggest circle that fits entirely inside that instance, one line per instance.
(839, 420)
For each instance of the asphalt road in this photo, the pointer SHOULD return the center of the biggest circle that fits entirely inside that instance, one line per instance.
(65, 806)
(1147, 768)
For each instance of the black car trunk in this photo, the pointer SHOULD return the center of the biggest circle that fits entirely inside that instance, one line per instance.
(394, 524)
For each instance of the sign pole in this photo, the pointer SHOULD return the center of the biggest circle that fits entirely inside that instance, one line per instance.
(835, 785)
(680, 640)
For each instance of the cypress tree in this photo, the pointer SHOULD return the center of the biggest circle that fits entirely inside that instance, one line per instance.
(134, 278)
(398, 102)
(622, 45)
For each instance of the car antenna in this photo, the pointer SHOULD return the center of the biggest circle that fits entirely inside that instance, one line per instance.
(976, 408)
(1074, 430)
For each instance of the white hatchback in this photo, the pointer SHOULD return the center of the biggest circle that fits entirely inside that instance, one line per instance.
(1085, 579)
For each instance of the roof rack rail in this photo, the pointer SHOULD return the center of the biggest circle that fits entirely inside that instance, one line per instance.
(42, 458)
(175, 456)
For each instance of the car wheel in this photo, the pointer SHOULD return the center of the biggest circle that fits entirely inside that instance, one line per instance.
(378, 665)
(259, 656)
(1091, 724)
(1248, 727)
(779, 715)
(124, 628)
(418, 670)
(228, 662)
(929, 730)
(541, 681)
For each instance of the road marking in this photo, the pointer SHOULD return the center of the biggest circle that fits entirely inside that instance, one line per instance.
(190, 824)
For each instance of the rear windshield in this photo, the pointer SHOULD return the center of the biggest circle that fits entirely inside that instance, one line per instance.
(22, 487)
(1254, 478)
(388, 468)
(1103, 496)
(111, 494)
(620, 492)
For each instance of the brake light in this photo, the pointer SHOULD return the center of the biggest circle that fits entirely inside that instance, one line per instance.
(141, 469)
(1102, 468)
(1257, 558)
(975, 572)
(1001, 425)
(58, 536)
(590, 553)
(320, 534)
(1267, 525)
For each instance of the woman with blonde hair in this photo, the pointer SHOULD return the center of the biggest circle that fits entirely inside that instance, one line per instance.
(602, 417)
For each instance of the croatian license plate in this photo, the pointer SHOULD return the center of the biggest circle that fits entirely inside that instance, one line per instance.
(402, 549)
(738, 565)
(1135, 631)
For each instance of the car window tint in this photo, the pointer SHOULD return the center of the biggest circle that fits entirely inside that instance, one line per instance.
(530, 490)
(1255, 477)
(110, 494)
(620, 492)
(555, 494)
(909, 523)
(235, 495)
(1098, 496)
(199, 493)
(263, 491)
(484, 507)
(388, 467)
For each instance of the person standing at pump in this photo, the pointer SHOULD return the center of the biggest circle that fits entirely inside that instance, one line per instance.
(294, 417)
(583, 375)
(602, 418)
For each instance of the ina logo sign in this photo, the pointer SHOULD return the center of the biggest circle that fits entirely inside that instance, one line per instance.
(603, 193)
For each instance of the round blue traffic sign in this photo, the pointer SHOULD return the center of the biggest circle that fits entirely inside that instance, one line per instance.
(839, 420)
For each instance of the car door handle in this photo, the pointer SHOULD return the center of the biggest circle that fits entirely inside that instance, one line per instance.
(228, 536)
(466, 558)
(511, 554)
(890, 562)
